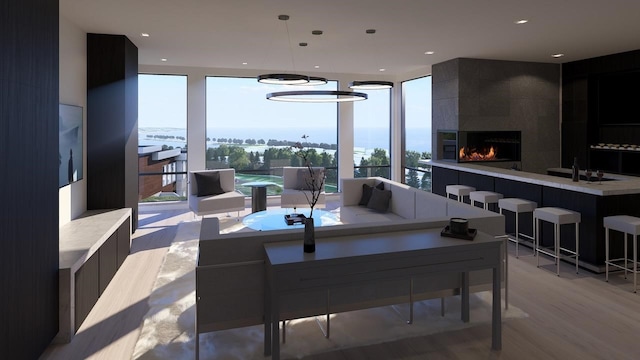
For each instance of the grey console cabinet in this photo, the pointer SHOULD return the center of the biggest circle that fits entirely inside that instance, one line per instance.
(92, 248)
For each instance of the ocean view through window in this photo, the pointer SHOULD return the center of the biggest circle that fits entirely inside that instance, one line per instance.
(253, 135)
(416, 114)
(372, 136)
(162, 137)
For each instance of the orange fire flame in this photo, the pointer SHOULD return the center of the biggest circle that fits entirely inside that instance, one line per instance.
(466, 154)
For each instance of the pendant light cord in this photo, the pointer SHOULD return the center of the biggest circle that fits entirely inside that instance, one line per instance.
(293, 63)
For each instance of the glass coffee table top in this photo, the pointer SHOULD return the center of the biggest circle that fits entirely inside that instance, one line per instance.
(273, 219)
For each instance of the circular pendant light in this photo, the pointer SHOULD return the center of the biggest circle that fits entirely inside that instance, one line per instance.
(315, 80)
(317, 96)
(370, 85)
(283, 79)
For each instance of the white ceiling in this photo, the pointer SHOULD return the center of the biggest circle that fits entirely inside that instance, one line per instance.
(226, 33)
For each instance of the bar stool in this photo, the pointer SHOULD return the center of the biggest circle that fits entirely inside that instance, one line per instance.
(556, 216)
(518, 206)
(484, 197)
(628, 225)
(459, 190)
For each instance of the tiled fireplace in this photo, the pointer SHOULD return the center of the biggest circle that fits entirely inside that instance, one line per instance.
(479, 146)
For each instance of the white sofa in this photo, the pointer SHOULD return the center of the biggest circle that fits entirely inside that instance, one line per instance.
(230, 200)
(411, 203)
(292, 195)
(230, 270)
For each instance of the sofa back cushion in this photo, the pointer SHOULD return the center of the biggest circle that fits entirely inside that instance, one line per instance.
(308, 181)
(403, 199)
(430, 205)
(351, 190)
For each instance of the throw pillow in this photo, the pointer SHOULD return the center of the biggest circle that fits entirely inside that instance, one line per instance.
(366, 193)
(379, 200)
(208, 183)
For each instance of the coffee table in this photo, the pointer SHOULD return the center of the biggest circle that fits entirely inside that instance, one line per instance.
(273, 219)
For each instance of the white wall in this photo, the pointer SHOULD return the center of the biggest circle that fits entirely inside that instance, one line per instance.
(73, 91)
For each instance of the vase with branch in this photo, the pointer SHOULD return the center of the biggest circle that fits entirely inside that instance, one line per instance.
(314, 180)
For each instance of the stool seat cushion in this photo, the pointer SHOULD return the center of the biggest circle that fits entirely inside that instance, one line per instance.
(459, 190)
(517, 205)
(557, 215)
(623, 223)
(486, 197)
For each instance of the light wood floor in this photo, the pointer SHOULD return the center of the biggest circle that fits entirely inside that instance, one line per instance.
(574, 316)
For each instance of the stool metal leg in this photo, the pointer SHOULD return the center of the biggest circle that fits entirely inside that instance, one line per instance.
(624, 235)
(536, 235)
(556, 242)
(606, 254)
(517, 233)
(635, 263)
(577, 245)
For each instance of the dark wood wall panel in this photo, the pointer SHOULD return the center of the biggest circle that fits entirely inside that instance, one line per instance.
(580, 124)
(112, 123)
(440, 178)
(29, 78)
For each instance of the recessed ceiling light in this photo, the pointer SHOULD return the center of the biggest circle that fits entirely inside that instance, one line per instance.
(521, 21)
(557, 55)
(429, 52)
(383, 70)
(163, 59)
(244, 63)
(144, 34)
(317, 66)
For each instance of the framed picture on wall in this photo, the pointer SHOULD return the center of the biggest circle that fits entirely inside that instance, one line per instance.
(70, 145)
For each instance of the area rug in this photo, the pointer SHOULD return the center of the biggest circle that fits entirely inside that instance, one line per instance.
(168, 329)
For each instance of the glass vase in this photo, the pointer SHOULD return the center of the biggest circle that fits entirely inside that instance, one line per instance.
(309, 236)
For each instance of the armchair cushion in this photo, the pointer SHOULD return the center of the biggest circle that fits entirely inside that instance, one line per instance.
(306, 182)
(379, 200)
(366, 193)
(208, 183)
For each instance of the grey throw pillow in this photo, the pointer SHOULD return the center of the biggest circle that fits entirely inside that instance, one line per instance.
(208, 183)
(366, 193)
(379, 200)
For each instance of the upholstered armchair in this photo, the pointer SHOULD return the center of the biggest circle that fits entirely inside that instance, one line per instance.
(294, 188)
(213, 191)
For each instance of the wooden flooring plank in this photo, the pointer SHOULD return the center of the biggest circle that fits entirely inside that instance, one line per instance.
(571, 316)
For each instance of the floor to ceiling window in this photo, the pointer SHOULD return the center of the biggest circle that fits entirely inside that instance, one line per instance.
(253, 135)
(371, 135)
(416, 95)
(162, 137)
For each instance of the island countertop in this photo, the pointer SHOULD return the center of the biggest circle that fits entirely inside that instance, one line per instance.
(619, 185)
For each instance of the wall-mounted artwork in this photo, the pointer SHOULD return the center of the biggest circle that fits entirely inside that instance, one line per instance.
(70, 156)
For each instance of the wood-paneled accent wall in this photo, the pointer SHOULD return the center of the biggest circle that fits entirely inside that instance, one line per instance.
(112, 123)
(580, 113)
(29, 96)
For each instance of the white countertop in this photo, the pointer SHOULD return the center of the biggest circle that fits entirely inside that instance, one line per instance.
(621, 186)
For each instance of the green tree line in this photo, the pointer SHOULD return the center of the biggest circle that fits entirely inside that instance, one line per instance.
(375, 165)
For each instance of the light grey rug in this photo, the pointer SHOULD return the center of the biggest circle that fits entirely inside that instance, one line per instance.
(168, 330)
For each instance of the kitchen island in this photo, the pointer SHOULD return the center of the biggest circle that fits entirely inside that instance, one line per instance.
(618, 195)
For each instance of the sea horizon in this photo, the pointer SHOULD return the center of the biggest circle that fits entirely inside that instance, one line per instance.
(365, 138)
